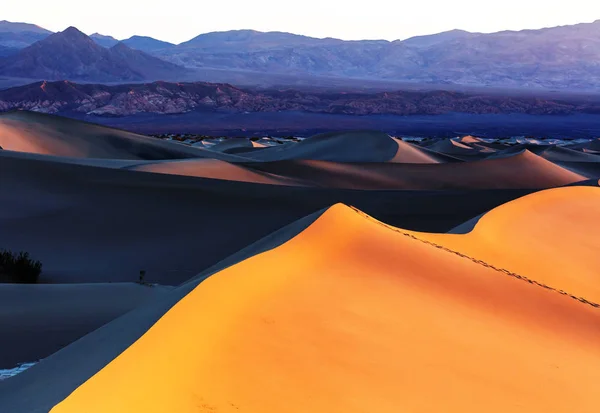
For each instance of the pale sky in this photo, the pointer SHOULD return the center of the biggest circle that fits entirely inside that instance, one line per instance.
(180, 20)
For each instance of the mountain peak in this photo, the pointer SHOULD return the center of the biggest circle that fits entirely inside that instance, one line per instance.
(73, 31)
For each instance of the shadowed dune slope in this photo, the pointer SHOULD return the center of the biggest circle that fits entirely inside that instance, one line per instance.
(52, 135)
(581, 163)
(593, 145)
(561, 154)
(105, 224)
(366, 319)
(522, 170)
(549, 236)
(38, 320)
(358, 146)
(214, 169)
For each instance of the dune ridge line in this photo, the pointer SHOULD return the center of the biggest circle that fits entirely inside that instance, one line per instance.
(477, 261)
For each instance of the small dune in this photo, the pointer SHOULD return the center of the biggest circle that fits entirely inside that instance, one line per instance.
(52, 135)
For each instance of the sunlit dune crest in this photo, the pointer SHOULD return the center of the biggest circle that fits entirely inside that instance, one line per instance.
(408, 153)
(354, 315)
(549, 236)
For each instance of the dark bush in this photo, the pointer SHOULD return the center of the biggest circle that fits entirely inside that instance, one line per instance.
(19, 268)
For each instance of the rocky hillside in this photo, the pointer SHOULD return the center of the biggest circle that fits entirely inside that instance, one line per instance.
(171, 98)
(560, 57)
(73, 55)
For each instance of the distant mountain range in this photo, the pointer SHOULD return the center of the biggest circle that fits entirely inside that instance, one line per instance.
(566, 57)
(20, 35)
(73, 55)
(174, 98)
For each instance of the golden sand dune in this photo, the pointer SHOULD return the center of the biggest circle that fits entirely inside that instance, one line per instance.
(549, 237)
(214, 169)
(522, 170)
(352, 315)
(52, 135)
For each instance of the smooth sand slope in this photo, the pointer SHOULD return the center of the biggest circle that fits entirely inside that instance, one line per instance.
(215, 169)
(38, 320)
(52, 135)
(549, 236)
(352, 315)
(521, 170)
(408, 153)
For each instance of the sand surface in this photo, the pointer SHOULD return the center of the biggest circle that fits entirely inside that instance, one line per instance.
(215, 169)
(38, 320)
(303, 337)
(282, 302)
(50, 135)
(548, 236)
(175, 226)
(515, 171)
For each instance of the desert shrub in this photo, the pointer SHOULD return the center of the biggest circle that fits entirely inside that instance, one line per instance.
(19, 268)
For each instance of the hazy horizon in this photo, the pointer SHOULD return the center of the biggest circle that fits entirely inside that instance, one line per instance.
(372, 21)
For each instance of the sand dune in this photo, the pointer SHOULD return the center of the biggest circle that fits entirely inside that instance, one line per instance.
(408, 153)
(561, 154)
(91, 353)
(522, 170)
(51, 135)
(358, 146)
(549, 236)
(288, 304)
(38, 320)
(214, 169)
(455, 148)
(469, 140)
(593, 145)
(331, 325)
(236, 143)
